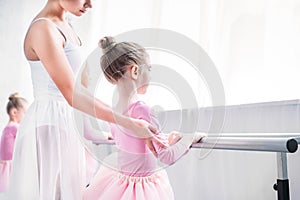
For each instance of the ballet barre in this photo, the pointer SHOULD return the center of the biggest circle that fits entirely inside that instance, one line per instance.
(250, 143)
(246, 142)
(279, 143)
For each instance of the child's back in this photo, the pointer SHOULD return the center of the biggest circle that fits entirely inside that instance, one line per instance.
(135, 158)
(135, 174)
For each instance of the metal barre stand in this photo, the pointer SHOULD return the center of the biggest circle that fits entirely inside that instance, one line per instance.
(281, 144)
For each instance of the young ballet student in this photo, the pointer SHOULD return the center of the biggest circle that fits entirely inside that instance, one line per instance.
(132, 173)
(16, 108)
(49, 156)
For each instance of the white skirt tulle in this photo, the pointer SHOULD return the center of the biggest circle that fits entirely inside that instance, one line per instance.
(48, 161)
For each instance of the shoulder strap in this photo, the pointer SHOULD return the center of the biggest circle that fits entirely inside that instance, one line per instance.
(49, 20)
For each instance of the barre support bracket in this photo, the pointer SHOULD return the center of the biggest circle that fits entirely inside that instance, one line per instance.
(282, 185)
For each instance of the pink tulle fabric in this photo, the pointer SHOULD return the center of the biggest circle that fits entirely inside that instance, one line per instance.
(5, 167)
(109, 184)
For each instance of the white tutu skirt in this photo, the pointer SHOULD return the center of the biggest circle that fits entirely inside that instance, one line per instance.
(48, 161)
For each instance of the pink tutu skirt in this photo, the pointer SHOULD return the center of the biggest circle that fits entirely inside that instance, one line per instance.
(5, 167)
(91, 166)
(112, 185)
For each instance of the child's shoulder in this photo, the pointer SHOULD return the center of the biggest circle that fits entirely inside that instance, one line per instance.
(10, 129)
(139, 109)
(12, 126)
(138, 103)
(139, 106)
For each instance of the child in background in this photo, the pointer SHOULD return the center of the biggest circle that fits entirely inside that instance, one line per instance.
(16, 107)
(134, 173)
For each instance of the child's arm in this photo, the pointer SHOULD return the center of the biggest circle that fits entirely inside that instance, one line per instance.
(174, 137)
(90, 133)
(177, 146)
(9, 141)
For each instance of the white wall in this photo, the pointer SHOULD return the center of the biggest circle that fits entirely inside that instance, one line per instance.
(254, 44)
(14, 72)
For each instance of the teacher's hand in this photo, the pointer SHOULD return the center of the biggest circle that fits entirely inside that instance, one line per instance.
(148, 133)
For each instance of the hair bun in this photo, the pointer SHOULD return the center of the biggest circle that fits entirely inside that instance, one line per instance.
(107, 43)
(14, 96)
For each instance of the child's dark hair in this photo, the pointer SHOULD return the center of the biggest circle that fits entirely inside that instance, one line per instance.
(15, 101)
(118, 56)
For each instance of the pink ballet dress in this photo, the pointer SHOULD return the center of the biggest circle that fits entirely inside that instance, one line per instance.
(6, 152)
(133, 172)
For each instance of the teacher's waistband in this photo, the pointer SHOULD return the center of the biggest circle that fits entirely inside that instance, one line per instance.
(49, 97)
